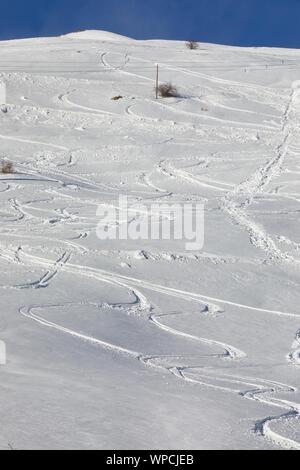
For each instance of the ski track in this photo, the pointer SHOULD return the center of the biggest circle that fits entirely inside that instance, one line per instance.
(169, 170)
(255, 389)
(35, 142)
(142, 306)
(263, 392)
(256, 184)
(181, 112)
(64, 98)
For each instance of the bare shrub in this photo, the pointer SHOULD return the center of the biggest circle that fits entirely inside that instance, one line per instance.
(193, 45)
(6, 168)
(167, 90)
(116, 98)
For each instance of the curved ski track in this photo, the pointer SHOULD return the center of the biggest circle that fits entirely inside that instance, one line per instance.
(255, 389)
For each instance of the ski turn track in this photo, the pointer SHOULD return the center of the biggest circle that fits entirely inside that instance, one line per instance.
(256, 184)
(30, 223)
(263, 391)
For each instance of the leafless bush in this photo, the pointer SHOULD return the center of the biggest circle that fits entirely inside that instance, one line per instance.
(6, 168)
(193, 45)
(168, 90)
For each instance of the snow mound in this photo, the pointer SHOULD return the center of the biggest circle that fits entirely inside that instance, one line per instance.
(97, 35)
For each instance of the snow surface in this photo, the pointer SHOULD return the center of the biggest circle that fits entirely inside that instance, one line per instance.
(131, 345)
(97, 35)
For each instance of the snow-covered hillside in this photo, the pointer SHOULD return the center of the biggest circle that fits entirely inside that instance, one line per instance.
(134, 344)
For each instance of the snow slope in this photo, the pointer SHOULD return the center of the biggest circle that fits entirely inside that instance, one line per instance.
(131, 345)
(97, 35)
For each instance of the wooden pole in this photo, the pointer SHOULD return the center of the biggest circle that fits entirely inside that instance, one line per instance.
(156, 88)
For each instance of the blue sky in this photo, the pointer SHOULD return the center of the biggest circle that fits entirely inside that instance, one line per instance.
(236, 22)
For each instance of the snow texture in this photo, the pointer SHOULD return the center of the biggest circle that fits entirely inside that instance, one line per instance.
(134, 344)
